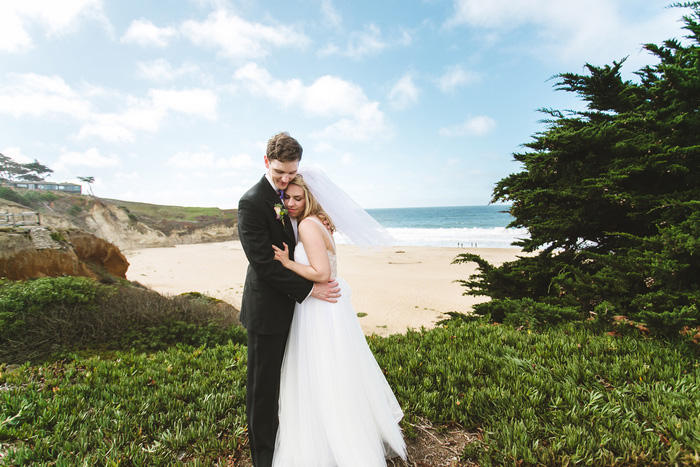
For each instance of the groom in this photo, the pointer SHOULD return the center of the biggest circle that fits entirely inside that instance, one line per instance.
(270, 290)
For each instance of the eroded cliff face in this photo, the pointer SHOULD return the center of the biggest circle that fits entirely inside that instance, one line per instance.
(111, 223)
(33, 252)
(95, 250)
(114, 225)
(211, 233)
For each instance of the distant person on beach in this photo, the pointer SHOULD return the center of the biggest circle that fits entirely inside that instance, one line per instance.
(336, 407)
(270, 290)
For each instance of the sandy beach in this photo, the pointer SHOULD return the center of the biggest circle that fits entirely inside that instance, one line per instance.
(397, 288)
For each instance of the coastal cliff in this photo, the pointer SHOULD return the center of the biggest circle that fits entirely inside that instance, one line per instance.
(127, 225)
(36, 251)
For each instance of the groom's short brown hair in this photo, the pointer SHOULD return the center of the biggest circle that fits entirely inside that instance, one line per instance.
(283, 148)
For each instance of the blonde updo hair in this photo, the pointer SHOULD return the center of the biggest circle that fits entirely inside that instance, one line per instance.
(311, 206)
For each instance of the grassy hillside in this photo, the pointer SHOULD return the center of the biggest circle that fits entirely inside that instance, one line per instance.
(162, 218)
(168, 218)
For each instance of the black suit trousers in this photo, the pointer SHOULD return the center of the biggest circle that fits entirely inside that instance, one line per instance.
(265, 354)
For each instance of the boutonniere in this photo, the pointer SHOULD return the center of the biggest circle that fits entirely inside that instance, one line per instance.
(280, 212)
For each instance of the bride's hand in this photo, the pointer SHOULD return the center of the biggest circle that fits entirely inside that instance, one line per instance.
(282, 255)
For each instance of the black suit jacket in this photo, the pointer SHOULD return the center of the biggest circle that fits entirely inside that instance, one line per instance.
(270, 289)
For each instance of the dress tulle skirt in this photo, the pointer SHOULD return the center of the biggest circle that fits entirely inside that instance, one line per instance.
(336, 407)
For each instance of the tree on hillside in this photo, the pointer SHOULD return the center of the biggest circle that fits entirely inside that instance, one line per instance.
(89, 180)
(610, 197)
(31, 172)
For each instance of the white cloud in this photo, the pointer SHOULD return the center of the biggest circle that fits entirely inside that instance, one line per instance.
(37, 95)
(148, 114)
(237, 38)
(453, 163)
(17, 18)
(493, 14)
(89, 158)
(13, 34)
(145, 33)
(128, 176)
(330, 14)
(367, 123)
(160, 70)
(187, 160)
(16, 155)
(347, 159)
(196, 102)
(322, 147)
(208, 160)
(404, 93)
(259, 81)
(108, 128)
(473, 126)
(369, 41)
(331, 96)
(572, 32)
(236, 161)
(328, 96)
(454, 77)
(328, 50)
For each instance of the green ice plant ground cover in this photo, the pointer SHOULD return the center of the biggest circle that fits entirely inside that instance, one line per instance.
(184, 405)
(564, 396)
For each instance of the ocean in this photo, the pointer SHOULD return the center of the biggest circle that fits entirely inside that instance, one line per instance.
(453, 226)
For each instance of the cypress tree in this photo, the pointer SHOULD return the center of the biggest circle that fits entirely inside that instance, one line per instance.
(610, 197)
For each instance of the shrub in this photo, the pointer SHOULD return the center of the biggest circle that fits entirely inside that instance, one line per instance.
(75, 210)
(57, 237)
(11, 195)
(47, 317)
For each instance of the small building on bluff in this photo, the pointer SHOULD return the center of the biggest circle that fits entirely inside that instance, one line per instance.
(72, 188)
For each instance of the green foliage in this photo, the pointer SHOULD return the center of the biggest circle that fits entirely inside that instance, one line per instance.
(29, 198)
(10, 195)
(165, 335)
(24, 298)
(46, 317)
(75, 210)
(41, 196)
(181, 213)
(182, 406)
(527, 312)
(57, 237)
(609, 197)
(567, 396)
(32, 171)
(175, 218)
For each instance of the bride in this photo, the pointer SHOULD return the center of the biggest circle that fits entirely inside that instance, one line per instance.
(335, 407)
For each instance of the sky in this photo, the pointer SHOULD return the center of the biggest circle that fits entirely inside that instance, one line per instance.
(403, 103)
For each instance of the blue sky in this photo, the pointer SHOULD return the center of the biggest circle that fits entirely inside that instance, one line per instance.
(403, 103)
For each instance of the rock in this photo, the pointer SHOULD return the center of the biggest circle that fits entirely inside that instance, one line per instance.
(45, 252)
(111, 223)
(98, 251)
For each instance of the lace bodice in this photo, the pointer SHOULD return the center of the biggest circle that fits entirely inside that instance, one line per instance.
(333, 258)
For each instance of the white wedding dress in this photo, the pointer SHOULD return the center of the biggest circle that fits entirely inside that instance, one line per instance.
(336, 408)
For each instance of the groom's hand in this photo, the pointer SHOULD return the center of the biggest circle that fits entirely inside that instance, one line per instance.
(326, 291)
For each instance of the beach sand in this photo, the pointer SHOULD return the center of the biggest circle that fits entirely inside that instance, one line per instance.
(397, 288)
